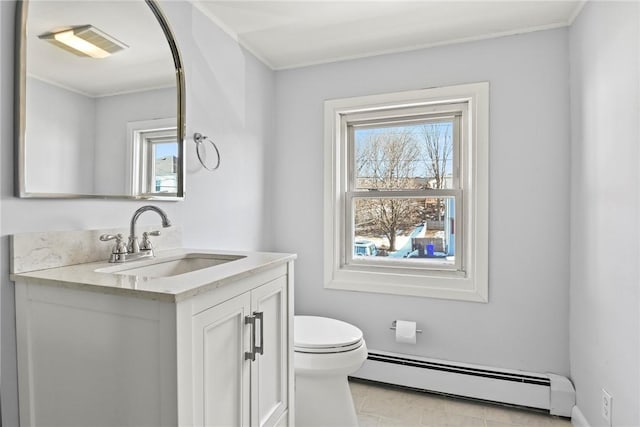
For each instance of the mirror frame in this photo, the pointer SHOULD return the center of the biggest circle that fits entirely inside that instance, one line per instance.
(20, 111)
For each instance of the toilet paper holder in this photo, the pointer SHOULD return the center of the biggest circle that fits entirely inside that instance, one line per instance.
(393, 326)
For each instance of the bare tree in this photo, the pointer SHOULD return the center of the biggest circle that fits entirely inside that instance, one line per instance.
(387, 161)
(438, 151)
(437, 154)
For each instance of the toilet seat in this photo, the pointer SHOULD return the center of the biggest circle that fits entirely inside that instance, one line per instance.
(313, 334)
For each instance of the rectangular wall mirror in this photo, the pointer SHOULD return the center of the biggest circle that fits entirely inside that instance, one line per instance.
(100, 101)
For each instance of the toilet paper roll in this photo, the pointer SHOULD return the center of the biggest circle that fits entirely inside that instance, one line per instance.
(405, 332)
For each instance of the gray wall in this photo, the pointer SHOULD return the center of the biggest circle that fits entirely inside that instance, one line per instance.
(85, 137)
(605, 186)
(525, 324)
(112, 143)
(229, 97)
(62, 133)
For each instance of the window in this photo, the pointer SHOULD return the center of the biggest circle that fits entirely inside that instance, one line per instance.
(160, 154)
(154, 157)
(406, 191)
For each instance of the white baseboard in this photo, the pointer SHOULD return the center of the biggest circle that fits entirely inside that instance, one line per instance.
(578, 419)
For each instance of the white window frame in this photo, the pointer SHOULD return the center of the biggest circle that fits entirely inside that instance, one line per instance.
(141, 134)
(452, 113)
(469, 280)
(150, 140)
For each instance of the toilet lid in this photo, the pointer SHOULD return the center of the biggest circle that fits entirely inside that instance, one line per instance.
(323, 335)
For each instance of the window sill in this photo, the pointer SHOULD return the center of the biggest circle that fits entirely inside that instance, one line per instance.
(432, 286)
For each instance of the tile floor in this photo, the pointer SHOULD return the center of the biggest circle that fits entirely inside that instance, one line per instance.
(379, 405)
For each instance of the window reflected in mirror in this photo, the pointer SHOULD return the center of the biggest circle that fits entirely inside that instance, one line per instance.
(162, 160)
(154, 159)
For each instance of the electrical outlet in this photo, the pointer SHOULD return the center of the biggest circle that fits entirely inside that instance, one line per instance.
(607, 400)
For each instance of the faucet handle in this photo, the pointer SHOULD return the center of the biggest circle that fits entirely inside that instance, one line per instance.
(119, 247)
(146, 242)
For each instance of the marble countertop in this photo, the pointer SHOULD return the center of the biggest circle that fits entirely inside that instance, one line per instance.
(100, 276)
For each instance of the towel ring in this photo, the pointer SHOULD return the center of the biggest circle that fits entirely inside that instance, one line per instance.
(199, 139)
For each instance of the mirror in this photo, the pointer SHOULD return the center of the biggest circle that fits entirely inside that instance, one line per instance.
(100, 101)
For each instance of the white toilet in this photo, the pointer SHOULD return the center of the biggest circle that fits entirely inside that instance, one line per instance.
(326, 351)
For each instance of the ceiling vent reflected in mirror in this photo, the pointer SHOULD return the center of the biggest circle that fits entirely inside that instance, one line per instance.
(85, 40)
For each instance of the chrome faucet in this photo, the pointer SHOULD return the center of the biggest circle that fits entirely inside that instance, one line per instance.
(133, 247)
(133, 250)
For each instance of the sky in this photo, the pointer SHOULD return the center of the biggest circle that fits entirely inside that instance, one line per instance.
(166, 149)
(363, 136)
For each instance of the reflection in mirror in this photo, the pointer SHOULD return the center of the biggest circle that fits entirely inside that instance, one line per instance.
(153, 157)
(101, 101)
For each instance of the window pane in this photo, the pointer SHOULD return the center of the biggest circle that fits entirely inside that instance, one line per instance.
(165, 158)
(405, 229)
(413, 156)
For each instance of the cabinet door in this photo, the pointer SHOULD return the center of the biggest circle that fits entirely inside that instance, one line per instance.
(221, 373)
(269, 373)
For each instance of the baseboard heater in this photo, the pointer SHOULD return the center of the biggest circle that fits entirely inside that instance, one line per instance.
(550, 392)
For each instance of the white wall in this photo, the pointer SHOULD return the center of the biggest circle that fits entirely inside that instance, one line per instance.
(229, 97)
(61, 134)
(605, 186)
(525, 324)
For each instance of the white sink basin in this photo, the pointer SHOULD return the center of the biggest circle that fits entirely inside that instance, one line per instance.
(172, 266)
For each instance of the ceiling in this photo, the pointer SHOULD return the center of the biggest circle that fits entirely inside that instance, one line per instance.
(295, 33)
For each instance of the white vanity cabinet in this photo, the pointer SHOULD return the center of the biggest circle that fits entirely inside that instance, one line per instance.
(157, 353)
(233, 385)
